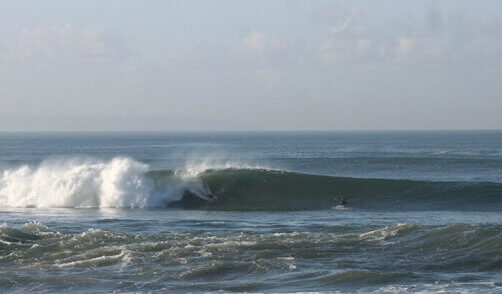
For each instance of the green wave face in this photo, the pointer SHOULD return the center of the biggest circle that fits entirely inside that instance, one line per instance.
(268, 190)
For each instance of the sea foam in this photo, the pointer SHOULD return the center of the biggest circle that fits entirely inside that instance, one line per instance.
(119, 182)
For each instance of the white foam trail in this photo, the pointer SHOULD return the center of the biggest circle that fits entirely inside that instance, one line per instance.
(120, 182)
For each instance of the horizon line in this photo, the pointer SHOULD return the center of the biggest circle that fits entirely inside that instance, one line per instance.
(249, 131)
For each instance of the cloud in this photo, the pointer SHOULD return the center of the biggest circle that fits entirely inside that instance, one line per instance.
(259, 42)
(405, 45)
(268, 49)
(350, 37)
(65, 44)
(256, 42)
(437, 37)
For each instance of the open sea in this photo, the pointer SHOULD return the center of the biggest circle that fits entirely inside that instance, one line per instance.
(128, 212)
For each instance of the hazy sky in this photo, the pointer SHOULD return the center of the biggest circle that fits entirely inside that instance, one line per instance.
(250, 65)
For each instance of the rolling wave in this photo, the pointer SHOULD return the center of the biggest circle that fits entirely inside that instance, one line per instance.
(120, 182)
(123, 182)
(245, 189)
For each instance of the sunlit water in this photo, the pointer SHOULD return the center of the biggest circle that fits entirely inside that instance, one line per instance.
(396, 237)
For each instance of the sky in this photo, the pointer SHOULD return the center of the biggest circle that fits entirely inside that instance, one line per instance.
(121, 65)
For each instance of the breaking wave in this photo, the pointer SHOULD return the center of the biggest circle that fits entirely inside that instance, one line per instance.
(124, 182)
(120, 182)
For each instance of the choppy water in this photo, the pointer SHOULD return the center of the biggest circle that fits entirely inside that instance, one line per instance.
(125, 212)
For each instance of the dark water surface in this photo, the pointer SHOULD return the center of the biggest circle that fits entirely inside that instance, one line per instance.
(126, 212)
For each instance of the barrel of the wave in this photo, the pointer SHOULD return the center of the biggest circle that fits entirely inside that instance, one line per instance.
(259, 189)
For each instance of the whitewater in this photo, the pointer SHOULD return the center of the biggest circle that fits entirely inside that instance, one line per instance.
(119, 182)
(128, 212)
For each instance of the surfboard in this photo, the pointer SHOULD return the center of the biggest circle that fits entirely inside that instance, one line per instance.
(339, 207)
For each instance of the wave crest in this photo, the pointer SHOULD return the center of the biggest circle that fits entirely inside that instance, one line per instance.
(120, 182)
(124, 182)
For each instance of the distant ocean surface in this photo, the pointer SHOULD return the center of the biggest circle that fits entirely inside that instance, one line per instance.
(128, 212)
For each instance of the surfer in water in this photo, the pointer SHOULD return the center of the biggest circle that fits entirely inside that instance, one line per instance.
(343, 202)
(211, 198)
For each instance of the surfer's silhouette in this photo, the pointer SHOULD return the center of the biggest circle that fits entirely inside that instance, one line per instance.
(343, 202)
(211, 198)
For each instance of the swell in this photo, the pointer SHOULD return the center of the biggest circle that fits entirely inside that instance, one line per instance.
(123, 182)
(245, 189)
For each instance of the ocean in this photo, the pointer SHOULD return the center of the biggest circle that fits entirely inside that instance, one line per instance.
(128, 212)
